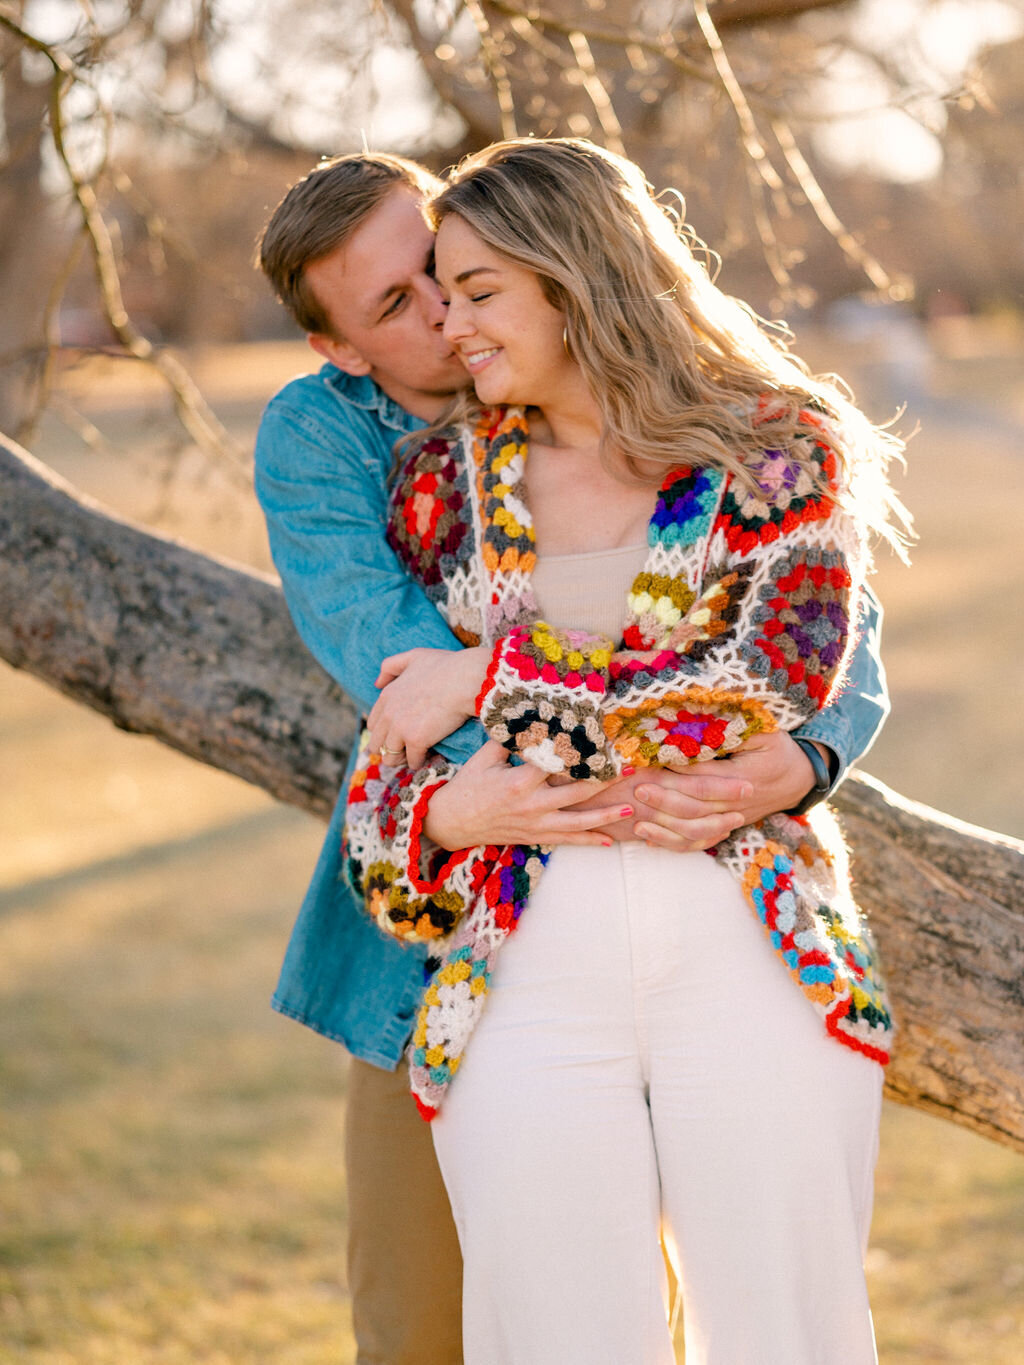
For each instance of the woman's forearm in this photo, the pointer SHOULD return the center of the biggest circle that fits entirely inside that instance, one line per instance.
(490, 801)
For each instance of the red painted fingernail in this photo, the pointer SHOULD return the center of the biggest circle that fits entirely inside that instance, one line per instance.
(628, 772)
(626, 810)
(606, 843)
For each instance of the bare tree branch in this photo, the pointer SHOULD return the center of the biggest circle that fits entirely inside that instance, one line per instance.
(599, 96)
(668, 45)
(745, 13)
(192, 409)
(770, 193)
(475, 107)
(830, 221)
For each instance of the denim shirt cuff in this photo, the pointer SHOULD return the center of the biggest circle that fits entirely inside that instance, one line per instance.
(835, 733)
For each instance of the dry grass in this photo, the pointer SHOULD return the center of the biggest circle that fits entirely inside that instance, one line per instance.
(170, 1151)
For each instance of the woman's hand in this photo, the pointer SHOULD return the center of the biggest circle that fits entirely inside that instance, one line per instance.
(427, 693)
(491, 802)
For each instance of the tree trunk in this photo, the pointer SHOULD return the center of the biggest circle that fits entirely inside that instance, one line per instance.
(202, 655)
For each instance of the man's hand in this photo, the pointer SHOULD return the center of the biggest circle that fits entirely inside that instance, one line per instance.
(490, 802)
(694, 810)
(685, 811)
(427, 693)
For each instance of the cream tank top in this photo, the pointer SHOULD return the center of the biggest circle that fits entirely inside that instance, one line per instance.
(588, 591)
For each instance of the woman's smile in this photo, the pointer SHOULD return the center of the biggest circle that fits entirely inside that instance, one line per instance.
(474, 361)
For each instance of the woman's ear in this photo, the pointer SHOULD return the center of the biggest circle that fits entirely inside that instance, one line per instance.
(340, 353)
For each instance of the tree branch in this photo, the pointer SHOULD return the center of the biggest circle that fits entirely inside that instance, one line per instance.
(746, 13)
(193, 411)
(163, 640)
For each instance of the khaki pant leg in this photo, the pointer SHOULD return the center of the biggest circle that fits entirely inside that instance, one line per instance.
(404, 1265)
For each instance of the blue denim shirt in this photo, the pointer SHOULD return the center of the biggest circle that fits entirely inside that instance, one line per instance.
(323, 453)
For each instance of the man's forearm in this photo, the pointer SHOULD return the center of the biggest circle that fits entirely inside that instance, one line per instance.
(352, 603)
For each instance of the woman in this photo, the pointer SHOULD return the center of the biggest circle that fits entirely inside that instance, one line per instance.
(664, 1034)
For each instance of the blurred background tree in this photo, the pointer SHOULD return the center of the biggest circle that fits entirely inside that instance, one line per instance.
(145, 140)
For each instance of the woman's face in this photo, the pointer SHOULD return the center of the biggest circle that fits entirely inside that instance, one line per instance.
(506, 333)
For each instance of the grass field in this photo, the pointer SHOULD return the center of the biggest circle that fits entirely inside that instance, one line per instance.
(171, 1187)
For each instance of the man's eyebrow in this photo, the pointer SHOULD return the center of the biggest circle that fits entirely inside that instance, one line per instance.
(384, 295)
(391, 289)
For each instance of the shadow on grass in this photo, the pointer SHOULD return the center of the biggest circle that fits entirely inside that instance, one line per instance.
(146, 858)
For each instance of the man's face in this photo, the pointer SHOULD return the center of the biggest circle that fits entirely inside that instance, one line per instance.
(386, 314)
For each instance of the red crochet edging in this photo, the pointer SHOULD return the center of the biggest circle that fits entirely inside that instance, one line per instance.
(419, 814)
(841, 1010)
(426, 1112)
(488, 682)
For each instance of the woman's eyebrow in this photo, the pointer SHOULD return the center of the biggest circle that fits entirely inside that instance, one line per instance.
(475, 270)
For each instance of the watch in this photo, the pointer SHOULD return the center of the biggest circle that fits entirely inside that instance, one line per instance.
(822, 777)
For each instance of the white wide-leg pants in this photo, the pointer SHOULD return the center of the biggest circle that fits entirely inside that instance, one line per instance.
(643, 1055)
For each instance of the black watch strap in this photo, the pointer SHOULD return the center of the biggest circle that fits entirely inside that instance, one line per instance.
(822, 777)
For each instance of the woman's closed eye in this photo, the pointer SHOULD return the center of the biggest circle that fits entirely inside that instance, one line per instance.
(473, 298)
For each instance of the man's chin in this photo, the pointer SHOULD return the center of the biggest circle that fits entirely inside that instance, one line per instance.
(450, 387)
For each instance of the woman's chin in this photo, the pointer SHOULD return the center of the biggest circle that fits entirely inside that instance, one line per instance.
(492, 395)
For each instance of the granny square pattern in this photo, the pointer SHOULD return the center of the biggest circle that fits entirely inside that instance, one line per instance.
(738, 623)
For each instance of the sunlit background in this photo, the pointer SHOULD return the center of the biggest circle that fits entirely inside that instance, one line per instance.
(171, 1186)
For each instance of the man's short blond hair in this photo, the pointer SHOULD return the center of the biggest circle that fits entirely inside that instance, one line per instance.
(319, 213)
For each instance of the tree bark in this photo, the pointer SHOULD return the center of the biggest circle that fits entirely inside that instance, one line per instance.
(201, 654)
(164, 641)
(946, 902)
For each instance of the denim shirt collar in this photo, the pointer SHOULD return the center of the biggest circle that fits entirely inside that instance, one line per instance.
(363, 392)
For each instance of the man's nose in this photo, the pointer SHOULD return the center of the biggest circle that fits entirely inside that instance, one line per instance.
(434, 308)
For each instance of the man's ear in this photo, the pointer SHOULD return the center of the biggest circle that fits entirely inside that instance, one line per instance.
(339, 353)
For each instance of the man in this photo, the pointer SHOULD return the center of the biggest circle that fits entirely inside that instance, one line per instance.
(350, 256)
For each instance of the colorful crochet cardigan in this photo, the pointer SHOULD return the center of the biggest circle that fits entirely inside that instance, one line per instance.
(739, 622)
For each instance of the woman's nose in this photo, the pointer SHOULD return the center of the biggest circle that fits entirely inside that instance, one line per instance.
(456, 324)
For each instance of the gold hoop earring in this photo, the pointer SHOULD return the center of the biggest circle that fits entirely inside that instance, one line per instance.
(565, 343)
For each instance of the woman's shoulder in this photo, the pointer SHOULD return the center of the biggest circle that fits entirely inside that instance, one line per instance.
(799, 427)
(792, 472)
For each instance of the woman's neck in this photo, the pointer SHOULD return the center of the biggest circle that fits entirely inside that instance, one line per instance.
(573, 421)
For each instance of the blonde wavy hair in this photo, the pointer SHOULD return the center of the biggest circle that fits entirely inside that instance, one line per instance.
(681, 371)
